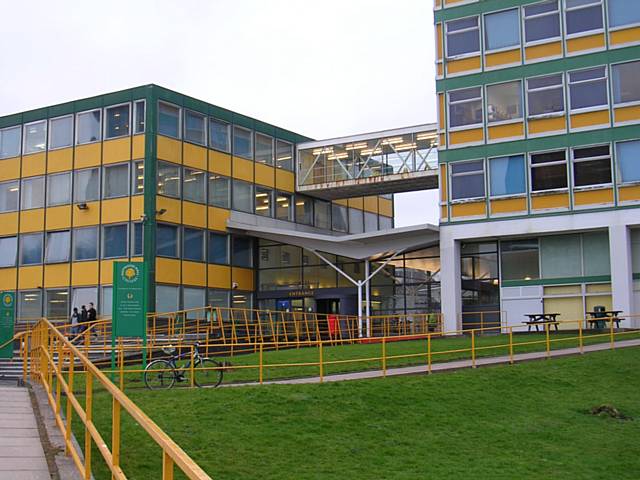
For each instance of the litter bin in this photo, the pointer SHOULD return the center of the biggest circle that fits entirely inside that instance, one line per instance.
(599, 311)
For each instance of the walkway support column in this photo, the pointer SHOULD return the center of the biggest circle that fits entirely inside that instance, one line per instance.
(367, 296)
(450, 282)
(622, 272)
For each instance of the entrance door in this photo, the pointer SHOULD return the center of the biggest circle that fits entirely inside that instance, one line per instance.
(328, 306)
(327, 309)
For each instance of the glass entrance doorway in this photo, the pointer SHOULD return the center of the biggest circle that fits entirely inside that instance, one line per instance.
(329, 306)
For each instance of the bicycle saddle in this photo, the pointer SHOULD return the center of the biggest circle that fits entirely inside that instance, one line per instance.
(169, 349)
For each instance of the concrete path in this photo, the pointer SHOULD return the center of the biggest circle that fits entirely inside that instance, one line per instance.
(444, 366)
(21, 453)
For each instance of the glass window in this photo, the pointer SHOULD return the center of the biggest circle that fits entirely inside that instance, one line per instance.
(623, 12)
(583, 15)
(264, 201)
(241, 251)
(545, 95)
(504, 101)
(627, 158)
(35, 137)
(167, 240)
(167, 298)
(502, 29)
(31, 248)
(117, 121)
(193, 244)
(85, 243)
(8, 251)
(626, 87)
(467, 179)
(168, 120)
(32, 193)
(106, 301)
(137, 245)
(10, 141)
(137, 178)
(88, 127)
(58, 247)
(595, 253)
(591, 166)
(115, 239)
(218, 298)
(370, 222)
(242, 142)
(463, 36)
(385, 222)
(116, 180)
(507, 175)
(548, 171)
(560, 256)
(541, 21)
(138, 116)
(193, 298)
(57, 304)
(322, 214)
(30, 305)
(82, 296)
(195, 127)
(87, 185)
(264, 149)
(339, 220)
(193, 185)
(284, 206)
(59, 189)
(218, 191)
(168, 179)
(219, 134)
(284, 155)
(61, 132)
(588, 88)
(465, 107)
(242, 196)
(9, 194)
(519, 260)
(304, 210)
(218, 248)
(356, 221)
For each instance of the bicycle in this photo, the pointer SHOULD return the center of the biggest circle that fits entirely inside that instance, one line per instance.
(164, 373)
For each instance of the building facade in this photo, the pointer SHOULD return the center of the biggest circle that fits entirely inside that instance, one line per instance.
(539, 151)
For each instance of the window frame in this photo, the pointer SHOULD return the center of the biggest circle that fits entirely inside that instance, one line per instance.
(205, 127)
(483, 45)
(211, 120)
(103, 237)
(44, 192)
(611, 28)
(505, 195)
(208, 235)
(273, 148)
(182, 237)
(74, 230)
(251, 140)
(632, 103)
(596, 108)
(132, 235)
(77, 130)
(557, 162)
(21, 238)
(15, 252)
(460, 56)
(563, 87)
(291, 217)
(594, 186)
(136, 106)
(449, 103)
(205, 181)
(133, 171)
(21, 130)
(72, 117)
(75, 189)
(618, 166)
(17, 183)
(48, 189)
(293, 155)
(558, 11)
(179, 181)
(180, 115)
(24, 137)
(104, 123)
(103, 179)
(485, 105)
(229, 181)
(46, 247)
(585, 33)
(178, 248)
(467, 174)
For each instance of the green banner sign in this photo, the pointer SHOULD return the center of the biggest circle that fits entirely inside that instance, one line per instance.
(129, 311)
(7, 322)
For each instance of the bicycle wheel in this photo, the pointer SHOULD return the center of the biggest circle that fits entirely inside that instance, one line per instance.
(207, 373)
(159, 374)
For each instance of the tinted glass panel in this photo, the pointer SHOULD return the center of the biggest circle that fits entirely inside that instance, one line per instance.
(35, 137)
(10, 142)
(87, 185)
(8, 251)
(61, 132)
(9, 193)
(117, 119)
(194, 127)
(218, 248)
(88, 127)
(167, 240)
(168, 120)
(114, 241)
(85, 243)
(193, 248)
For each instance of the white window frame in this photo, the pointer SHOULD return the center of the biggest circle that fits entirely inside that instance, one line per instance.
(49, 147)
(483, 44)
(253, 146)
(48, 188)
(73, 243)
(103, 237)
(73, 183)
(619, 27)
(104, 120)
(448, 112)
(229, 134)
(19, 143)
(78, 120)
(594, 186)
(488, 178)
(180, 115)
(205, 118)
(24, 137)
(612, 99)
(585, 33)
(524, 17)
(542, 89)
(136, 104)
(273, 148)
(618, 177)
(466, 174)
(485, 105)
(103, 179)
(596, 108)
(478, 27)
(531, 166)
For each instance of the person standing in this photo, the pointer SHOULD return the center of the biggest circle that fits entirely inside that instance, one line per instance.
(92, 316)
(83, 318)
(75, 319)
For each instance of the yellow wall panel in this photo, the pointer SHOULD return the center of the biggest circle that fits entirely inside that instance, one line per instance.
(509, 205)
(137, 207)
(285, 180)
(88, 155)
(437, 3)
(342, 201)
(628, 35)
(441, 108)
(90, 216)
(138, 147)
(371, 204)
(167, 270)
(593, 197)
(443, 182)
(117, 150)
(243, 277)
(8, 223)
(58, 218)
(386, 207)
(57, 275)
(544, 125)
(509, 57)
(30, 277)
(9, 168)
(265, 175)
(217, 218)
(583, 120)
(627, 114)
(84, 273)
(356, 202)
(220, 163)
(590, 42)
(34, 164)
(195, 156)
(8, 277)
(243, 169)
(194, 214)
(511, 130)
(453, 2)
(115, 210)
(466, 136)
(106, 271)
(60, 160)
(537, 52)
(629, 194)
(443, 212)
(439, 41)
(555, 200)
(219, 276)
(32, 220)
(468, 209)
(442, 140)
(169, 149)
(173, 211)
(439, 69)
(463, 65)
(194, 273)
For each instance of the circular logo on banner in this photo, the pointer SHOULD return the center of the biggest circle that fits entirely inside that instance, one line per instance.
(7, 300)
(130, 273)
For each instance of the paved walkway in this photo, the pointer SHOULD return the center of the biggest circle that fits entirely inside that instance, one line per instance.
(444, 366)
(21, 453)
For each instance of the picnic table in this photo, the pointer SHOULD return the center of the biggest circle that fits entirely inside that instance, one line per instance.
(599, 319)
(537, 319)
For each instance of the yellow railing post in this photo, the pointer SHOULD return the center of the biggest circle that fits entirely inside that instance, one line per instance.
(384, 356)
(191, 368)
(261, 371)
(511, 345)
(121, 364)
(611, 333)
(88, 407)
(429, 353)
(473, 348)
(548, 340)
(59, 372)
(69, 411)
(167, 466)
(580, 339)
(320, 362)
(25, 352)
(115, 434)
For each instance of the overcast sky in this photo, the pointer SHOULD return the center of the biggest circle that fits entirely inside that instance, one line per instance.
(323, 69)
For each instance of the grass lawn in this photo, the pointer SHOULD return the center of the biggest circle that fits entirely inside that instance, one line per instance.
(528, 420)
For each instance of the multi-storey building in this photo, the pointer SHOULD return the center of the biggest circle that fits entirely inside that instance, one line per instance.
(539, 151)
